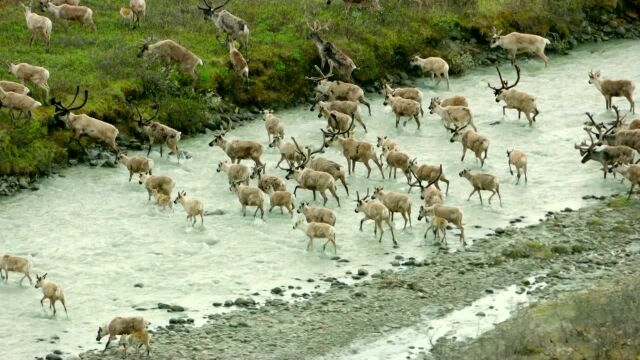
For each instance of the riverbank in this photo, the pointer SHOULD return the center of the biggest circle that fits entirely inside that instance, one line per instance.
(280, 57)
(600, 323)
(568, 251)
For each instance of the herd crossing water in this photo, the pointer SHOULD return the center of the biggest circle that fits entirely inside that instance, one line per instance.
(96, 234)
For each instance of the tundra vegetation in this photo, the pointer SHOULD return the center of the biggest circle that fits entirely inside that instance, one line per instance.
(113, 74)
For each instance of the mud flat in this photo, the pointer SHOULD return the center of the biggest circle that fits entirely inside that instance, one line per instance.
(568, 251)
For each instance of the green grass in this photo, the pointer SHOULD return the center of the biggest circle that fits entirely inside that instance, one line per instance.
(527, 249)
(279, 55)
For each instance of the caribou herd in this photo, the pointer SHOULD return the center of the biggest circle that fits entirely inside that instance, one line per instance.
(338, 102)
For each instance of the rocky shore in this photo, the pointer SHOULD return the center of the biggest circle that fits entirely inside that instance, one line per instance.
(569, 250)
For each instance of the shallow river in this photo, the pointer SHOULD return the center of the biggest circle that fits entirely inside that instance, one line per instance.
(97, 236)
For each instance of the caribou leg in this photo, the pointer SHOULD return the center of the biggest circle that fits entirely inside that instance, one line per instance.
(470, 195)
(369, 170)
(333, 192)
(379, 166)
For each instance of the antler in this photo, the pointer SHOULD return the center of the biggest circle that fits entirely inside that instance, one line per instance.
(418, 182)
(141, 120)
(299, 150)
(322, 75)
(465, 125)
(84, 102)
(517, 79)
(208, 7)
(436, 179)
(618, 123)
(334, 134)
(504, 84)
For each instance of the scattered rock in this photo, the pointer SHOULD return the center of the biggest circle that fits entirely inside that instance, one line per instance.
(244, 302)
(363, 272)
(53, 357)
(277, 291)
(500, 231)
(138, 285)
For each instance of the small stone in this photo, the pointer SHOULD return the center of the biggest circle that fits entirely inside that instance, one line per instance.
(163, 306)
(217, 304)
(568, 209)
(228, 303)
(500, 231)
(138, 285)
(395, 263)
(58, 352)
(245, 302)
(489, 291)
(363, 272)
(53, 357)
(23, 182)
(480, 313)
(277, 291)
(176, 308)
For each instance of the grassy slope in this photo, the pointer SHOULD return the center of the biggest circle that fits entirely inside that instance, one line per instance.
(597, 324)
(279, 56)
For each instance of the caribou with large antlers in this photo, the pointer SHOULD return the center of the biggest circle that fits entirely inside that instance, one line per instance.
(429, 173)
(515, 99)
(354, 150)
(234, 27)
(616, 135)
(607, 154)
(310, 179)
(159, 133)
(83, 124)
(328, 52)
(337, 90)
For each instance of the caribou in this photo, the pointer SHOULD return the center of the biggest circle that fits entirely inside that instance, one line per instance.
(515, 99)
(234, 27)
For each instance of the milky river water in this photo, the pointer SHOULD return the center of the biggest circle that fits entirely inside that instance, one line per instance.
(96, 234)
